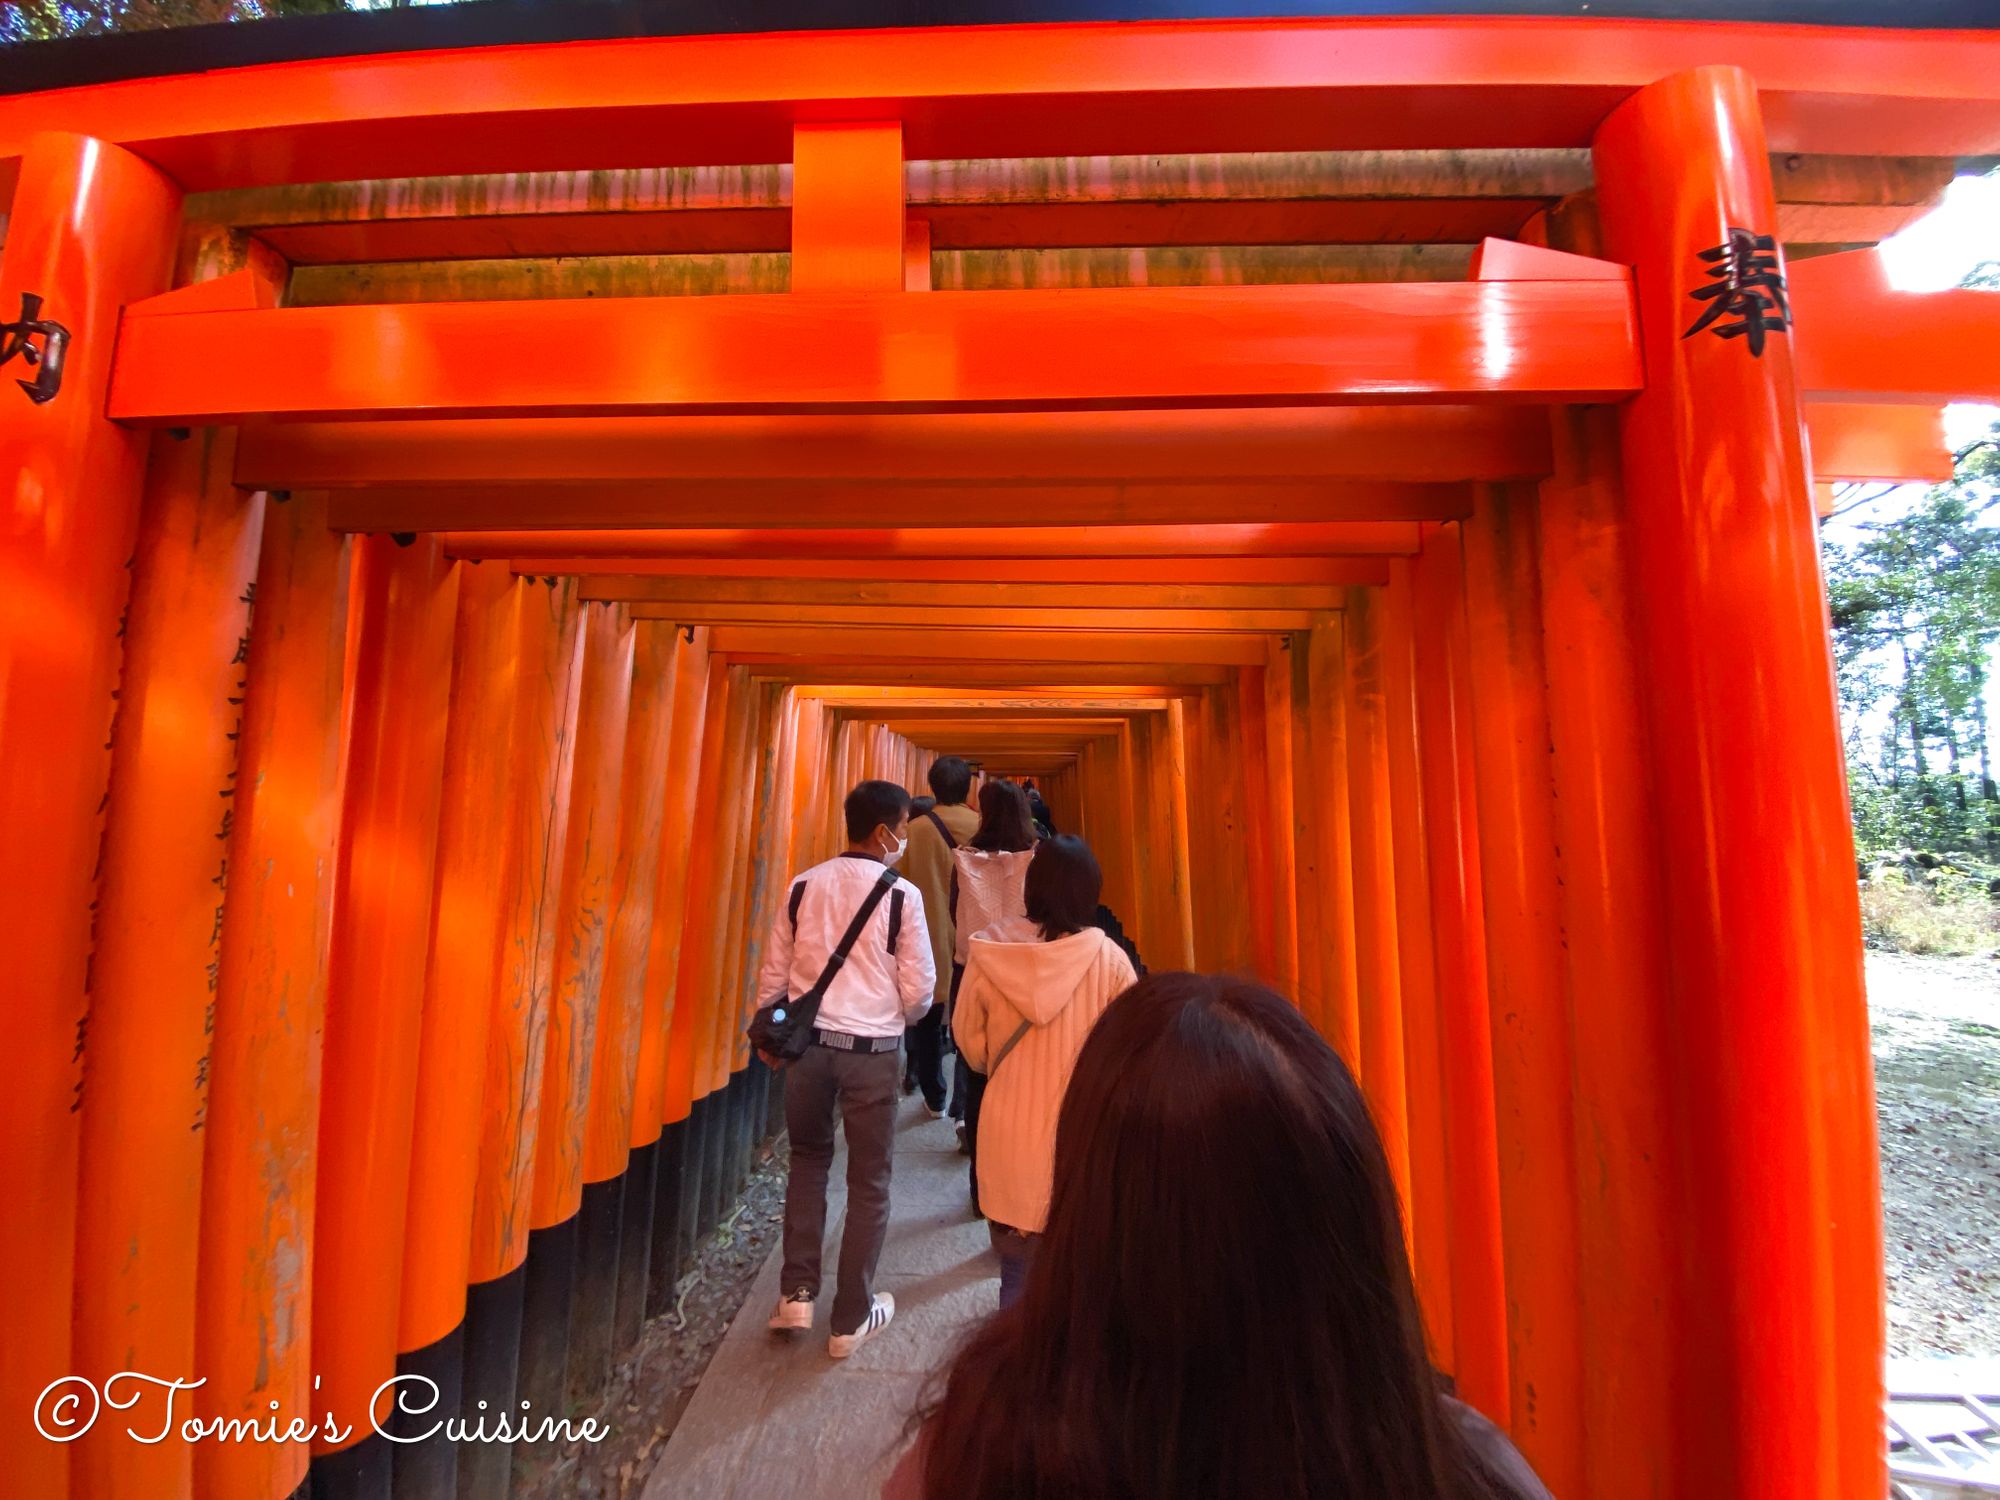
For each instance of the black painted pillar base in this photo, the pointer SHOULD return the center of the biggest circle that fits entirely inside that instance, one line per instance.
(736, 1155)
(492, 1368)
(635, 1248)
(428, 1470)
(358, 1472)
(694, 1168)
(715, 1170)
(596, 1297)
(545, 1314)
(664, 1264)
(303, 1490)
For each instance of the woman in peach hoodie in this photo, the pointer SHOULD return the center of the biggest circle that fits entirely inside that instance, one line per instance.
(1033, 988)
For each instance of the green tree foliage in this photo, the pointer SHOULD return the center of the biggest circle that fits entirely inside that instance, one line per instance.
(1916, 613)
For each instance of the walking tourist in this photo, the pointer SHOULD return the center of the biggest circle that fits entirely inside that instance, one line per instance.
(935, 832)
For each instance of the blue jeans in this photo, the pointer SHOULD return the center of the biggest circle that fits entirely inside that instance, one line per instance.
(1017, 1252)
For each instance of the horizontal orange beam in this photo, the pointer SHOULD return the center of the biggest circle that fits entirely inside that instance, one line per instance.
(1047, 90)
(1859, 340)
(1132, 699)
(1855, 441)
(725, 549)
(920, 644)
(1428, 444)
(789, 592)
(848, 507)
(1278, 572)
(824, 666)
(1360, 343)
(949, 621)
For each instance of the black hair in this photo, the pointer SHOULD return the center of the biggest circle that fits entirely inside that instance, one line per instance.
(921, 805)
(1064, 883)
(1005, 824)
(1221, 1303)
(872, 805)
(951, 779)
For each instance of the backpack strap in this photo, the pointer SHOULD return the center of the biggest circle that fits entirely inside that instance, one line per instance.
(808, 1003)
(895, 918)
(943, 831)
(950, 843)
(792, 910)
(1007, 1046)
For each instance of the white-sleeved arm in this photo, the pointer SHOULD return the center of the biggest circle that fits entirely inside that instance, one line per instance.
(775, 978)
(916, 969)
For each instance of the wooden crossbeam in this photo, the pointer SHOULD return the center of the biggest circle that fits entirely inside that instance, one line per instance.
(1018, 91)
(918, 644)
(831, 553)
(794, 592)
(1859, 340)
(1417, 443)
(1313, 198)
(950, 621)
(849, 507)
(945, 351)
(1280, 573)
(817, 667)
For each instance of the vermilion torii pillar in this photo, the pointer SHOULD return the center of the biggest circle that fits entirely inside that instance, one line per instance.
(1771, 1095)
(92, 229)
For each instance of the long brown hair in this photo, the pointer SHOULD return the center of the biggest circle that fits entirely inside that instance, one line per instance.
(1221, 1305)
(1005, 824)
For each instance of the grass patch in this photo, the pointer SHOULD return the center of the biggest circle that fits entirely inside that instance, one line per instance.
(1910, 918)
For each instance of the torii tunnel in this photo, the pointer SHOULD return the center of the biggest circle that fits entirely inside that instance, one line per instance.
(475, 499)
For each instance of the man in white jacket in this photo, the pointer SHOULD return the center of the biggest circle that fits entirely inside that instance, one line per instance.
(1034, 986)
(884, 985)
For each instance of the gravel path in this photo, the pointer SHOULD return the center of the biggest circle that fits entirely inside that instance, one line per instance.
(1936, 1024)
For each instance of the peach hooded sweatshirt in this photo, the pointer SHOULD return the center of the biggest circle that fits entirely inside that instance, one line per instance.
(1061, 987)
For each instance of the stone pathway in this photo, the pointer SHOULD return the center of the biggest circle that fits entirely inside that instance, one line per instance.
(774, 1418)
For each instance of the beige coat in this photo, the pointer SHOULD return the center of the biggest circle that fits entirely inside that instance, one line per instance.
(1061, 987)
(927, 866)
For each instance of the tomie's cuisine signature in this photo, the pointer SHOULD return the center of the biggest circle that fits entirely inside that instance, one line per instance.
(71, 1406)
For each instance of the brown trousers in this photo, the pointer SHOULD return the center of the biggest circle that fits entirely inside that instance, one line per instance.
(862, 1087)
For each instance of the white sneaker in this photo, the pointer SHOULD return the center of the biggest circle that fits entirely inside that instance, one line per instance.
(843, 1344)
(794, 1314)
(935, 1114)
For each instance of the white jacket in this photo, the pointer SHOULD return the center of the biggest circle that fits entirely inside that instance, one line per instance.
(1061, 987)
(992, 886)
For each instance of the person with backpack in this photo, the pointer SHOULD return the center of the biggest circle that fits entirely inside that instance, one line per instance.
(1033, 990)
(934, 834)
(847, 967)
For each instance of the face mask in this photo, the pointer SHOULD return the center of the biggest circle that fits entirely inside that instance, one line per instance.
(892, 855)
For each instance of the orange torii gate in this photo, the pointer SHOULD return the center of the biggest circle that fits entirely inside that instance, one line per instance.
(508, 484)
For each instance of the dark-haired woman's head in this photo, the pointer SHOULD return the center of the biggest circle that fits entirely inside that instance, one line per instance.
(1221, 1303)
(1063, 885)
(1005, 823)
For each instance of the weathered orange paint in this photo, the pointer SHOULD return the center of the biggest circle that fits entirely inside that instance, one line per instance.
(1628, 1157)
(1451, 830)
(634, 880)
(406, 598)
(690, 1042)
(583, 924)
(253, 1336)
(92, 227)
(539, 780)
(164, 872)
(1786, 1334)
(663, 938)
(468, 928)
(1528, 984)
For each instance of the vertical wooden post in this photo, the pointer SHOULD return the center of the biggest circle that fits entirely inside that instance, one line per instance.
(1465, 1037)
(460, 978)
(1172, 729)
(530, 888)
(92, 228)
(160, 895)
(252, 1304)
(1762, 928)
(1532, 1069)
(1267, 694)
(582, 934)
(1430, 1196)
(609, 1178)
(406, 598)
